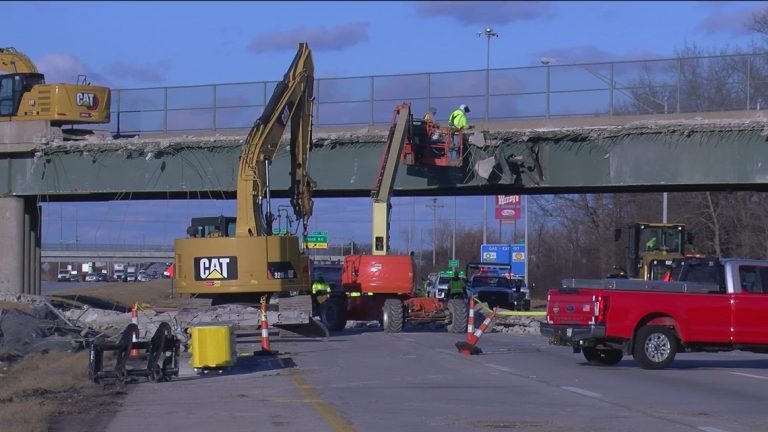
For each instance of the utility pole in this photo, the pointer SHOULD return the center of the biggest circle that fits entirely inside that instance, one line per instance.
(453, 243)
(434, 206)
(410, 225)
(485, 219)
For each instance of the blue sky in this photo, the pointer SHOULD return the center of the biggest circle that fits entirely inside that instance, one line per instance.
(127, 45)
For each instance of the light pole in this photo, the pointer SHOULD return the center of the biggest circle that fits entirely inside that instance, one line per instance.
(488, 33)
(546, 61)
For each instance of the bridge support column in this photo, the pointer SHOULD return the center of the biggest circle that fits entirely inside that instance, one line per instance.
(20, 240)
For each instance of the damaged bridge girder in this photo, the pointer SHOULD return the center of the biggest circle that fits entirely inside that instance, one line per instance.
(683, 155)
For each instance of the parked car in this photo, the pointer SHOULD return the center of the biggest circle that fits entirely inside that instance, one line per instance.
(74, 276)
(91, 277)
(63, 276)
(102, 277)
(500, 291)
(494, 283)
(143, 277)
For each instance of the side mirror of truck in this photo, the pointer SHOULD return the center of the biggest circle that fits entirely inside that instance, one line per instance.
(617, 234)
(689, 237)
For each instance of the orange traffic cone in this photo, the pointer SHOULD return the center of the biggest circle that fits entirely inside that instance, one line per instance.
(265, 348)
(469, 347)
(135, 320)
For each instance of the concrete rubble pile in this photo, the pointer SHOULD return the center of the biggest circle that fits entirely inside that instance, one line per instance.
(521, 325)
(60, 325)
(38, 328)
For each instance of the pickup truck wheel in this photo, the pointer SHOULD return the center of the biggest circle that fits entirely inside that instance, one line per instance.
(655, 347)
(459, 314)
(333, 313)
(392, 320)
(608, 357)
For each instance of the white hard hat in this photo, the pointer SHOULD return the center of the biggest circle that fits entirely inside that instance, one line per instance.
(464, 108)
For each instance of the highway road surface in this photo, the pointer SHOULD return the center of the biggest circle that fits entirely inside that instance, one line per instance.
(368, 380)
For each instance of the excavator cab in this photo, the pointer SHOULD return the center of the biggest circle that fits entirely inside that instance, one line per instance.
(24, 95)
(220, 226)
(432, 145)
(13, 87)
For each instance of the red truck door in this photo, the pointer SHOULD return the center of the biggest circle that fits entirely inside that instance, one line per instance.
(750, 306)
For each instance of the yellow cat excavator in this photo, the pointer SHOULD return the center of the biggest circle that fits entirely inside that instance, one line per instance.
(239, 259)
(24, 95)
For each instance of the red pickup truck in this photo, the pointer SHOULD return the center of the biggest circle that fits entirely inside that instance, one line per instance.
(714, 305)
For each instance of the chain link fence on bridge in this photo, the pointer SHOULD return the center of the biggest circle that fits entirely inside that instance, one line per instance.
(695, 84)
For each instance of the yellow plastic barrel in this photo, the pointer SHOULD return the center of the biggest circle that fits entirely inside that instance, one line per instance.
(212, 347)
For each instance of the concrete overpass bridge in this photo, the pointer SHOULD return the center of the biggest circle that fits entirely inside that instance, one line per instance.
(560, 152)
(137, 253)
(106, 253)
(661, 153)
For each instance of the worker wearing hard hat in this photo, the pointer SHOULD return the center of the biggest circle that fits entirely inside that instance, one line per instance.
(458, 123)
(429, 117)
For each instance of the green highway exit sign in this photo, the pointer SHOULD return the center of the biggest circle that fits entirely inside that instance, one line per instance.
(316, 240)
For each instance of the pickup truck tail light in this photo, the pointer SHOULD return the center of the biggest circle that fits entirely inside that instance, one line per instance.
(601, 309)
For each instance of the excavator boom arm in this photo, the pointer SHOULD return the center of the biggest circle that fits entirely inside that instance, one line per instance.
(291, 103)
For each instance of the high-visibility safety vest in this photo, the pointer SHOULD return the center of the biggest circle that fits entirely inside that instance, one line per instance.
(457, 120)
(317, 286)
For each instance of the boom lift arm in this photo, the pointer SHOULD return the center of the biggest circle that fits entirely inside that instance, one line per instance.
(291, 102)
(385, 180)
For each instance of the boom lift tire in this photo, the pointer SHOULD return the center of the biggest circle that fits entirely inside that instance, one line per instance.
(655, 347)
(459, 312)
(333, 313)
(607, 357)
(393, 315)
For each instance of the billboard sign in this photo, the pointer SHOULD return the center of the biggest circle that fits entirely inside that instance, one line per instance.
(507, 207)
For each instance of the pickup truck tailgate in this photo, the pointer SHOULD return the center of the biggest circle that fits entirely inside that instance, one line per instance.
(568, 306)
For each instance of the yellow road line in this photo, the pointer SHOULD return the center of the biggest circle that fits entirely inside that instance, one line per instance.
(332, 417)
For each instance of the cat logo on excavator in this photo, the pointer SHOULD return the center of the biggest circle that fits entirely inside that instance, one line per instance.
(88, 100)
(215, 268)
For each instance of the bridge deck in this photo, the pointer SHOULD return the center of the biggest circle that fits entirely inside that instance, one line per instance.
(632, 153)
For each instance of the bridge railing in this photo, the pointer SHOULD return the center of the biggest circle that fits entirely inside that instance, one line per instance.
(693, 84)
